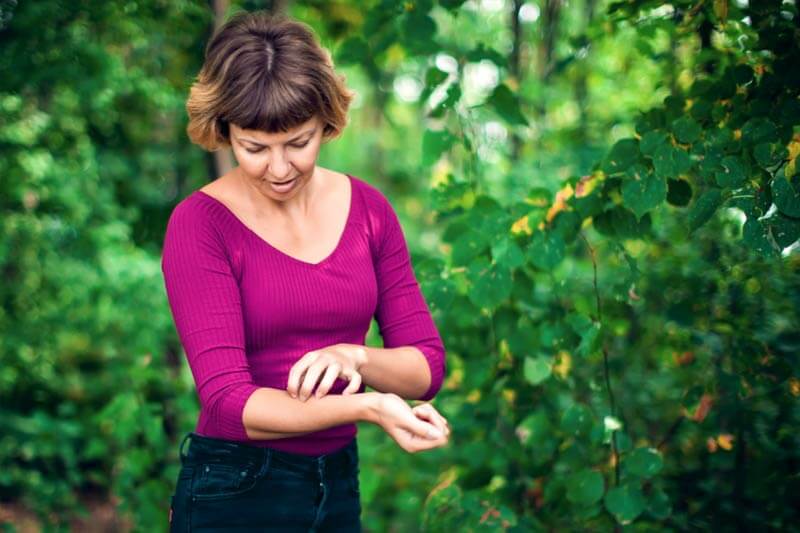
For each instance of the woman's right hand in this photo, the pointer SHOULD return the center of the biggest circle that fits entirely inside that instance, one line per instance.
(414, 429)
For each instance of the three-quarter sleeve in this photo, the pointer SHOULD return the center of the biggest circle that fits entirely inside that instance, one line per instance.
(403, 316)
(206, 307)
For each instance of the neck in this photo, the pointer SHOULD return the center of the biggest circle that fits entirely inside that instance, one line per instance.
(298, 205)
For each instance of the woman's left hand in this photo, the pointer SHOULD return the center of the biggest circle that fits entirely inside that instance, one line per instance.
(336, 360)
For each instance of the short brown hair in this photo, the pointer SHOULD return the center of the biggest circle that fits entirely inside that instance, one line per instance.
(264, 72)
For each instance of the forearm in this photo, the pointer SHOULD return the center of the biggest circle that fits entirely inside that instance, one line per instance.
(403, 371)
(272, 414)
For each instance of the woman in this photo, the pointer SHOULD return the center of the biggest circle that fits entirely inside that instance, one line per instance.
(273, 273)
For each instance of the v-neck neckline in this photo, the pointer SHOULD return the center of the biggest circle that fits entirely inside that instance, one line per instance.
(250, 231)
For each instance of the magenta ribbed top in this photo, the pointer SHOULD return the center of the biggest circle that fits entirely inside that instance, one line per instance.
(245, 311)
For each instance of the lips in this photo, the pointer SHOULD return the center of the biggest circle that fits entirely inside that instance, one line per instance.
(283, 182)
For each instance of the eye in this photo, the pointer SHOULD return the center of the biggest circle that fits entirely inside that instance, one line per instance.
(248, 150)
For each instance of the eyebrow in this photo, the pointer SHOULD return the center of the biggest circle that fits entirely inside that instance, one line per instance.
(312, 130)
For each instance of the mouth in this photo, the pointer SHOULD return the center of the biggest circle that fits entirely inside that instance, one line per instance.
(282, 182)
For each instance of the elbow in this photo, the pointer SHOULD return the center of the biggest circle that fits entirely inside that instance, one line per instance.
(225, 407)
(437, 368)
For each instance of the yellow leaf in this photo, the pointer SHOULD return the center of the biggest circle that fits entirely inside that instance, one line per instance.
(721, 10)
(560, 203)
(521, 226)
(474, 396)
(587, 184)
(794, 151)
(794, 386)
(509, 395)
(563, 364)
(725, 441)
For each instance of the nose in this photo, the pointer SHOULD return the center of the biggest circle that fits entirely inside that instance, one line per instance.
(279, 166)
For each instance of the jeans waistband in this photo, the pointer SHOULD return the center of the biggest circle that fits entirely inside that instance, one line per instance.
(204, 449)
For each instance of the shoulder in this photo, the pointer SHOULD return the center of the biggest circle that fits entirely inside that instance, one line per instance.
(381, 217)
(375, 201)
(196, 216)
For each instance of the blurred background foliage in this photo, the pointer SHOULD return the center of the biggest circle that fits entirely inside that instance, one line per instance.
(603, 207)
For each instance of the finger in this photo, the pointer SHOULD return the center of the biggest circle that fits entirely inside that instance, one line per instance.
(436, 417)
(424, 430)
(310, 380)
(431, 416)
(331, 373)
(442, 420)
(354, 385)
(297, 371)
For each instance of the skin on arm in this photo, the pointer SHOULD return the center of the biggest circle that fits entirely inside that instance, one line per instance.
(403, 371)
(273, 414)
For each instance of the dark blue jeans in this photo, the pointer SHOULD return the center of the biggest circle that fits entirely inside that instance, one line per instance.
(224, 486)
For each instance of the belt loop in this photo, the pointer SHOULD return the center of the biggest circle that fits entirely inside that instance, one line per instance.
(267, 459)
(180, 451)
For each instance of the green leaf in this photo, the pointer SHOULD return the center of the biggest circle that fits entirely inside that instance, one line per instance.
(704, 208)
(642, 190)
(506, 251)
(451, 4)
(701, 110)
(470, 244)
(733, 173)
(546, 249)
(506, 103)
(434, 143)
(786, 195)
(420, 30)
(651, 141)
(585, 487)
(633, 266)
(450, 194)
(452, 95)
(576, 420)
(354, 50)
(620, 223)
(537, 369)
(756, 236)
(625, 503)
(758, 130)
(670, 161)
(567, 225)
(679, 192)
(658, 505)
(720, 138)
(591, 340)
(686, 130)
(622, 155)
(643, 462)
(481, 52)
(440, 293)
(768, 155)
(785, 230)
(491, 283)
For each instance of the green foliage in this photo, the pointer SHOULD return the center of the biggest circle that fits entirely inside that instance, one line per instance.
(616, 279)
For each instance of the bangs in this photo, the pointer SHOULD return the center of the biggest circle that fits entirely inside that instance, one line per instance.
(271, 105)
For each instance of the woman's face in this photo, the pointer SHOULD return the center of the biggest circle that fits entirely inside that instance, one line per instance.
(268, 159)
